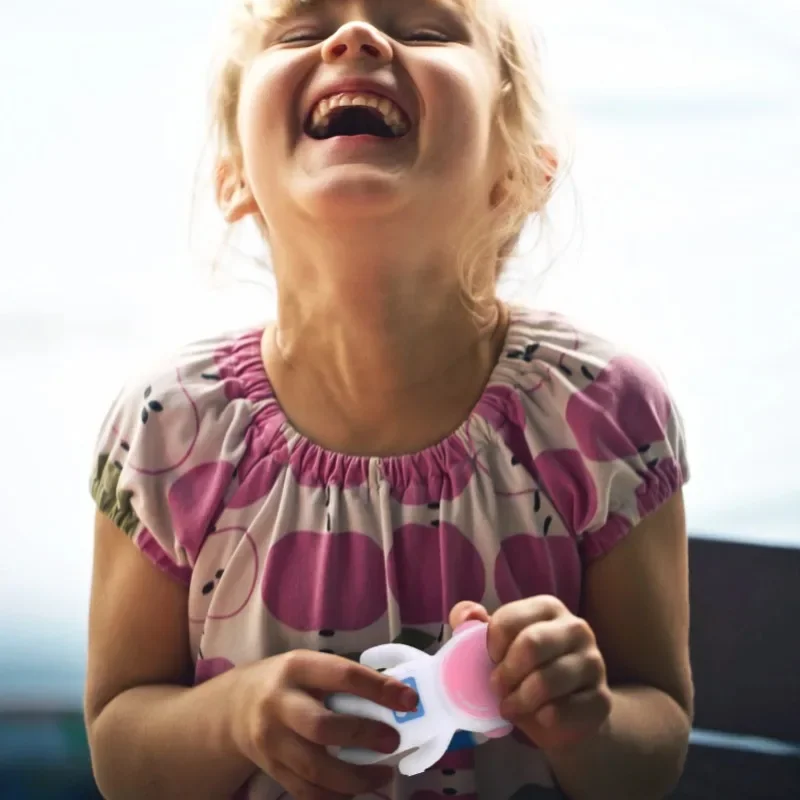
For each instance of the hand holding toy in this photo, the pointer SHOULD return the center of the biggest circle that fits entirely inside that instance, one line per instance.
(454, 695)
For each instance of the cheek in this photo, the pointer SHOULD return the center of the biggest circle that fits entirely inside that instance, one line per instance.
(265, 107)
(459, 102)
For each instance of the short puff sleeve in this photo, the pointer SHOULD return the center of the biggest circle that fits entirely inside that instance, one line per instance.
(603, 437)
(631, 438)
(165, 458)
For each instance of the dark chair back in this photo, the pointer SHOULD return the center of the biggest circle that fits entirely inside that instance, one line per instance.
(745, 638)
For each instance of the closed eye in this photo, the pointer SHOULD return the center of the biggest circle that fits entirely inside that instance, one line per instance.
(300, 40)
(427, 36)
(312, 37)
(300, 37)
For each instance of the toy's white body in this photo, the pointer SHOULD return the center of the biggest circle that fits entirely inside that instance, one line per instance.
(454, 695)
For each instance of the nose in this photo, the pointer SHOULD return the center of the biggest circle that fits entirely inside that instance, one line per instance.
(357, 41)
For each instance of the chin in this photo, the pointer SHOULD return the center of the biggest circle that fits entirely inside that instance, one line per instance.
(352, 190)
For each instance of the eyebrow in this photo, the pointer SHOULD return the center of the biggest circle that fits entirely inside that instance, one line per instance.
(284, 9)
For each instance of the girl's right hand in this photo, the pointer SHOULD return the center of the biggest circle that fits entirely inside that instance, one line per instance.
(283, 727)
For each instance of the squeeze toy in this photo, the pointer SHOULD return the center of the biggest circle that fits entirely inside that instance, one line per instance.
(454, 695)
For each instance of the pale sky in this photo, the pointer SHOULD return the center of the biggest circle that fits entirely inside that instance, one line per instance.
(686, 122)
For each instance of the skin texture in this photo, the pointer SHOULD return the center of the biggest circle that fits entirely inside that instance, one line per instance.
(382, 357)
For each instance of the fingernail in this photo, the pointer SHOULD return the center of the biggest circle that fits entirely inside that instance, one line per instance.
(409, 698)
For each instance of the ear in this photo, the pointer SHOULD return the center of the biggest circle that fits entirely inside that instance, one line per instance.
(234, 197)
(499, 190)
(550, 159)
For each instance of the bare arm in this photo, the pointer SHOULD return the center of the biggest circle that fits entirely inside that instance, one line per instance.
(637, 604)
(154, 735)
(150, 734)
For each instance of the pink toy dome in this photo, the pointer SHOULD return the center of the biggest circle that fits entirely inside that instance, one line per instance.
(465, 672)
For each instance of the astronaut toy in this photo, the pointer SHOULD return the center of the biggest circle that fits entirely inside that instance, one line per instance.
(454, 693)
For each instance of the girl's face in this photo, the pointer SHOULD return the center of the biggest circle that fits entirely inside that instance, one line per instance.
(368, 106)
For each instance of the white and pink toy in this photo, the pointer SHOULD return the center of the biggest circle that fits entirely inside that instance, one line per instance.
(454, 695)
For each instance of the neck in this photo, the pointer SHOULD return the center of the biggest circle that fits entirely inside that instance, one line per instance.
(375, 328)
(383, 313)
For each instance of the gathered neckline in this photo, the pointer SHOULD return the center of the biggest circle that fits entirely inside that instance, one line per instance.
(272, 434)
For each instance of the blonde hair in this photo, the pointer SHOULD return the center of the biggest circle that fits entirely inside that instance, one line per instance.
(523, 126)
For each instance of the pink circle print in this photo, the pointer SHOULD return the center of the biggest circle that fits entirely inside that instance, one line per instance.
(193, 501)
(325, 581)
(431, 569)
(530, 565)
(564, 477)
(623, 410)
(259, 471)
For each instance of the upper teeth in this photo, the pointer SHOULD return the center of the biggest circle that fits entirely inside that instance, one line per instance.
(392, 115)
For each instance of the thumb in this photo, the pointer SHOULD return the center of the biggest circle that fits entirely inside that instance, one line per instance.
(467, 611)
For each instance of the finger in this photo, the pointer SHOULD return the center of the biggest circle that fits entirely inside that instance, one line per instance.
(467, 611)
(329, 674)
(317, 766)
(564, 676)
(580, 713)
(509, 620)
(311, 720)
(538, 645)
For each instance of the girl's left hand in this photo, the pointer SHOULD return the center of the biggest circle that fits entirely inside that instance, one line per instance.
(550, 673)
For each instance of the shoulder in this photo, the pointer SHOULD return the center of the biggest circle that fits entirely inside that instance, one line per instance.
(596, 387)
(593, 422)
(172, 439)
(187, 393)
(577, 354)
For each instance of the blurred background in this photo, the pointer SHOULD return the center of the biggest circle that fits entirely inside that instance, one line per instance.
(678, 235)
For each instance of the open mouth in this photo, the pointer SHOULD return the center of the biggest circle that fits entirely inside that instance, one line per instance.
(357, 115)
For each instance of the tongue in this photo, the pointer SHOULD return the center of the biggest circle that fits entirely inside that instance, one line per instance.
(357, 121)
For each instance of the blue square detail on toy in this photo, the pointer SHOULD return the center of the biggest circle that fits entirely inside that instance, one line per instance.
(401, 717)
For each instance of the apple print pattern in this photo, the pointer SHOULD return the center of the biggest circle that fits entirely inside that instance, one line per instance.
(430, 569)
(284, 545)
